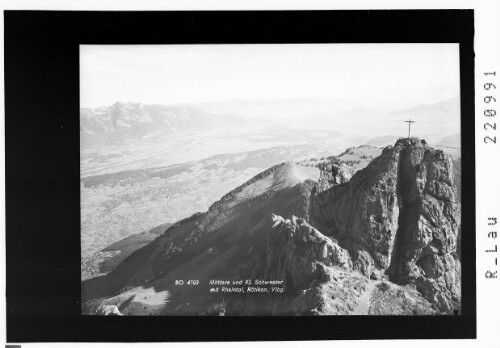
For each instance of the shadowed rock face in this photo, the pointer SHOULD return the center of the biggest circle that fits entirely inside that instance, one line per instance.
(399, 217)
(333, 174)
(295, 248)
(320, 279)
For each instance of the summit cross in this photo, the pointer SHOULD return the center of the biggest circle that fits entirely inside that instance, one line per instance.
(409, 126)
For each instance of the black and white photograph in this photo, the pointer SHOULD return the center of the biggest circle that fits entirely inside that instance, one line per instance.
(270, 179)
(234, 175)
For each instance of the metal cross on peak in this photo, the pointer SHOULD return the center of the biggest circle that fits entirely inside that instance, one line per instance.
(409, 126)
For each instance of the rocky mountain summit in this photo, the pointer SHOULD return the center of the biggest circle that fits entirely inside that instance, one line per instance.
(341, 240)
(399, 217)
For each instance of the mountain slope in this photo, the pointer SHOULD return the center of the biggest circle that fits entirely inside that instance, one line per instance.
(116, 205)
(218, 244)
(380, 242)
(108, 258)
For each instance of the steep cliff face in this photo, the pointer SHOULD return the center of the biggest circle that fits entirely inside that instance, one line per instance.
(320, 280)
(363, 213)
(399, 217)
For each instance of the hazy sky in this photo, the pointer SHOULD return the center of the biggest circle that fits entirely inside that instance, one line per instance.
(383, 76)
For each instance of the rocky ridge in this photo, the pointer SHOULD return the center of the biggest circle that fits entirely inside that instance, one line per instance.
(399, 218)
(321, 280)
(333, 174)
(381, 241)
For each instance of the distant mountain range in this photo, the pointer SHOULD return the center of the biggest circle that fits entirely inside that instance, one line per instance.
(383, 141)
(451, 140)
(119, 122)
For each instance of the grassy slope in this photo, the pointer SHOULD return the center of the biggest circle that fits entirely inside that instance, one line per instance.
(225, 247)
